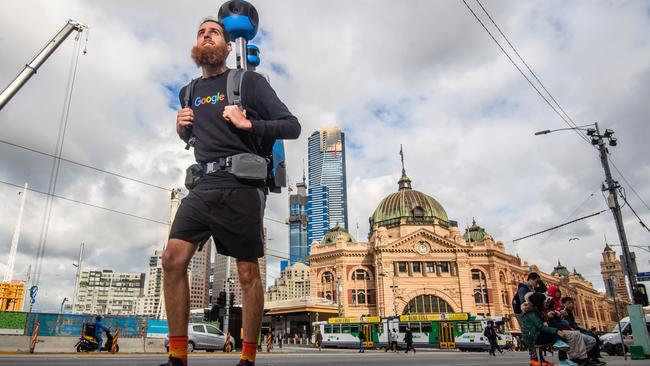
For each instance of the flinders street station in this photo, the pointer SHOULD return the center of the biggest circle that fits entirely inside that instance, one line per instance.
(417, 260)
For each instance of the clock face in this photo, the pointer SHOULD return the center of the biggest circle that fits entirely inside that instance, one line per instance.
(423, 248)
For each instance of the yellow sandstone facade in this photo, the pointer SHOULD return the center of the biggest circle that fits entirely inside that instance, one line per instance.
(416, 260)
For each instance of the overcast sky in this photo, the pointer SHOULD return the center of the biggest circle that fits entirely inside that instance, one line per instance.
(424, 74)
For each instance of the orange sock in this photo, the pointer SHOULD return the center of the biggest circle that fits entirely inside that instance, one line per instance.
(178, 348)
(248, 351)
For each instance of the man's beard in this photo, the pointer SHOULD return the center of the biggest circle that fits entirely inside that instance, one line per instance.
(209, 55)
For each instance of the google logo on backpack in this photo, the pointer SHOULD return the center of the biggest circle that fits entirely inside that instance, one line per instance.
(210, 99)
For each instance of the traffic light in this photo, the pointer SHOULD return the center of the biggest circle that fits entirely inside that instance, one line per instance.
(221, 300)
(232, 300)
(641, 295)
(206, 315)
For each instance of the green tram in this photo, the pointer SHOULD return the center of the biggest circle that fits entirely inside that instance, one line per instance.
(437, 330)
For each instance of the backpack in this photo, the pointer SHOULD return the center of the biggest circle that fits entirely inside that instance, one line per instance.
(516, 302)
(277, 176)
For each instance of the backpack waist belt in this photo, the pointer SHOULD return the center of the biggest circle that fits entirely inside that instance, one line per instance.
(220, 164)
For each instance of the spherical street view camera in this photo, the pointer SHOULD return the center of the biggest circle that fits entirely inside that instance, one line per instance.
(240, 19)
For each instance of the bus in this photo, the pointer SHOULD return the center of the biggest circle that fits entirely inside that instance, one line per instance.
(436, 330)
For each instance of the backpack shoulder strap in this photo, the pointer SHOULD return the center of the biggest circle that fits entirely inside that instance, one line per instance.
(234, 86)
(189, 88)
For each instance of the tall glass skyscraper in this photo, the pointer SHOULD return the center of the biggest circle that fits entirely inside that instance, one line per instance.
(327, 202)
(298, 245)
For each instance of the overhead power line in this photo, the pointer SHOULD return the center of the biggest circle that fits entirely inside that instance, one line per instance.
(628, 183)
(558, 226)
(85, 165)
(569, 217)
(568, 120)
(88, 204)
(104, 171)
(522, 72)
(622, 194)
(571, 123)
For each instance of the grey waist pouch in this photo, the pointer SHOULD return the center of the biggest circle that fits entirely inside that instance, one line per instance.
(248, 166)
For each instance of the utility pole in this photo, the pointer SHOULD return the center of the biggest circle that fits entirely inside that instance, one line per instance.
(612, 201)
(612, 289)
(226, 317)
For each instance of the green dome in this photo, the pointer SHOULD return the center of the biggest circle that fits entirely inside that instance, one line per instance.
(334, 233)
(560, 270)
(416, 208)
(475, 233)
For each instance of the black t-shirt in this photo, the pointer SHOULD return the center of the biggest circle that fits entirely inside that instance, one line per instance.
(217, 138)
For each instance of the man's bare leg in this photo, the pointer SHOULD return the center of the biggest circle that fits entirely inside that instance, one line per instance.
(252, 302)
(175, 260)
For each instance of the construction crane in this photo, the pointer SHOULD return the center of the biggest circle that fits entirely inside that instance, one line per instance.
(31, 68)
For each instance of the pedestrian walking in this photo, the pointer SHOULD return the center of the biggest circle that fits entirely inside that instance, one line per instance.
(408, 338)
(319, 339)
(362, 339)
(515, 343)
(393, 342)
(492, 336)
(389, 342)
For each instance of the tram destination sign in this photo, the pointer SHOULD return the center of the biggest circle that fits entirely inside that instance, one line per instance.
(433, 317)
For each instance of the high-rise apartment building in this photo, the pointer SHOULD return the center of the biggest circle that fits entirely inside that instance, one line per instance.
(107, 292)
(149, 303)
(220, 277)
(200, 277)
(327, 193)
(298, 245)
(293, 283)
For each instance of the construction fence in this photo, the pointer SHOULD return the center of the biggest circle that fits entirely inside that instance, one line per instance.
(55, 324)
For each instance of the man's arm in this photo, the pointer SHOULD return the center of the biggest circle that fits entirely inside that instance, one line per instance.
(275, 119)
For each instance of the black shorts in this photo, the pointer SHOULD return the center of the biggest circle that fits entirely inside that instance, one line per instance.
(232, 216)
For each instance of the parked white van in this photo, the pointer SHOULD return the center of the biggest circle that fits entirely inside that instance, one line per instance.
(612, 341)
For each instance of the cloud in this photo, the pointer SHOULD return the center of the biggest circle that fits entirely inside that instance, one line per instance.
(422, 74)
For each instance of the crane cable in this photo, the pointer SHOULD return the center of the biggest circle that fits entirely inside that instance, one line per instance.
(54, 174)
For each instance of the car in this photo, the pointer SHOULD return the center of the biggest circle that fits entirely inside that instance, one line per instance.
(612, 341)
(204, 337)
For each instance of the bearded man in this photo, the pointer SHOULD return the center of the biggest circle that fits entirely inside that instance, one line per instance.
(222, 205)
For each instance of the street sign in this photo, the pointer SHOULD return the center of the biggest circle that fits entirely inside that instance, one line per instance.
(643, 276)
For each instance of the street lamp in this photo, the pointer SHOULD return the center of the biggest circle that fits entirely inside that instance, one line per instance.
(583, 128)
(394, 288)
(63, 302)
(611, 186)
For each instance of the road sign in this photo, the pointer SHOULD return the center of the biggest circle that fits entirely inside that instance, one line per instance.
(643, 276)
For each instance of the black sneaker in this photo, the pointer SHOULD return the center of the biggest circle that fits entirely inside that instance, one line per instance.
(173, 361)
(245, 363)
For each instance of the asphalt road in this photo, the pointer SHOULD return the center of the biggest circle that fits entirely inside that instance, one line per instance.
(325, 358)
